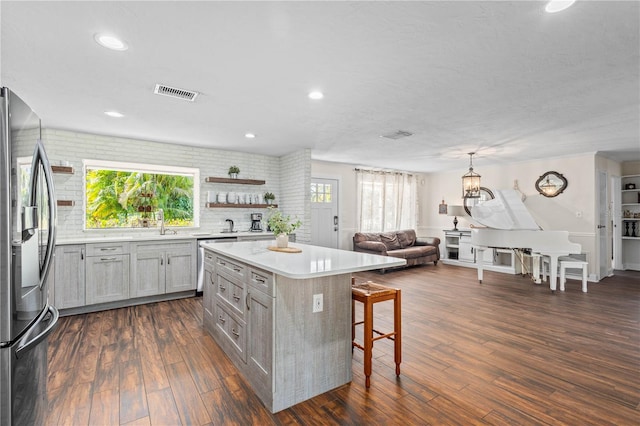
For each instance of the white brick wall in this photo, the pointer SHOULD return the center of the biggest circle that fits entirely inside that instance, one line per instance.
(287, 177)
(295, 178)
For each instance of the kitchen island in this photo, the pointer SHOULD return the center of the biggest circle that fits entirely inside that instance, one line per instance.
(284, 319)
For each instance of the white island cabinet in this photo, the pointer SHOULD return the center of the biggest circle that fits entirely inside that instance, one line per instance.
(258, 306)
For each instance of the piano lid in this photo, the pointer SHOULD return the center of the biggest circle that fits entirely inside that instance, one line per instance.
(505, 211)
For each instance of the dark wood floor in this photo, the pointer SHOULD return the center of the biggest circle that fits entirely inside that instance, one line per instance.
(505, 352)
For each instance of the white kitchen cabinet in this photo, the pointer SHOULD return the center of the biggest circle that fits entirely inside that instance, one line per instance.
(162, 267)
(107, 272)
(69, 273)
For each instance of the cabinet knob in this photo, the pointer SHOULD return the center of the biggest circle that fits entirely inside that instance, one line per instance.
(235, 333)
(221, 319)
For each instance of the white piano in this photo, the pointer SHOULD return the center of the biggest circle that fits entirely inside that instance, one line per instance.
(510, 225)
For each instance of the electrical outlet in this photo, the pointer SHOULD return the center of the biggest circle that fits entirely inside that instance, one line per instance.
(317, 302)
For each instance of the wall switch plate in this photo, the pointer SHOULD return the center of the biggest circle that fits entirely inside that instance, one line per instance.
(317, 302)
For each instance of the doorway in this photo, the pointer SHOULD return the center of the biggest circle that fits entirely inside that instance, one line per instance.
(324, 212)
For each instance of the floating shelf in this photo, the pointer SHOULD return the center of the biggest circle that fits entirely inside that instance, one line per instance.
(240, 206)
(234, 181)
(65, 203)
(62, 169)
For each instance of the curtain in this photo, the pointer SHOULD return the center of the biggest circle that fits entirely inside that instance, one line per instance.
(386, 201)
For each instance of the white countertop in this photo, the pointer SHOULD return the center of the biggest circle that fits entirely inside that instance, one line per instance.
(155, 236)
(312, 262)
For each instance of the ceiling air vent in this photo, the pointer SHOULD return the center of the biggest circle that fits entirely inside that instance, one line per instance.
(397, 135)
(174, 92)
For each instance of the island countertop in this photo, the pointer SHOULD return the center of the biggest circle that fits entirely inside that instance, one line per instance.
(313, 261)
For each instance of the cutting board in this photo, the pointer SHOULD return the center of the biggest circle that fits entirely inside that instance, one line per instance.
(285, 249)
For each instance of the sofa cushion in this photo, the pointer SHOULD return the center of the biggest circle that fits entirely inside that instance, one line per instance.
(390, 240)
(413, 252)
(407, 237)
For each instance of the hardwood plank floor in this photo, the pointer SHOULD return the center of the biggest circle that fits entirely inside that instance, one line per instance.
(502, 353)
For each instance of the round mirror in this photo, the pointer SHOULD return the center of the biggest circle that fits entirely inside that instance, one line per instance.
(485, 194)
(551, 184)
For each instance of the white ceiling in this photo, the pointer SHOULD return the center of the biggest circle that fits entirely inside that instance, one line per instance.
(504, 79)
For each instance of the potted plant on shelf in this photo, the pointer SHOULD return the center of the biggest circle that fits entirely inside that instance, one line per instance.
(269, 197)
(233, 172)
(281, 226)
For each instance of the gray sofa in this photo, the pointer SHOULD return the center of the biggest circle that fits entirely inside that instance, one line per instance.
(403, 244)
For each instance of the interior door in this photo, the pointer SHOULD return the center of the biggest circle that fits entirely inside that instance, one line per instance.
(605, 240)
(324, 212)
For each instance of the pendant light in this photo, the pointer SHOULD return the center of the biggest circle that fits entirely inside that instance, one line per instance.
(471, 181)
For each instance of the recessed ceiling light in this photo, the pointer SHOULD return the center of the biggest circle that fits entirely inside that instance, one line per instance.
(316, 95)
(114, 114)
(111, 42)
(249, 135)
(558, 5)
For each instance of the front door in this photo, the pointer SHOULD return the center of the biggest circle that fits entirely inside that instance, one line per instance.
(324, 212)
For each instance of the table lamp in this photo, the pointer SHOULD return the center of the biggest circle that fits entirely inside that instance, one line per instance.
(455, 211)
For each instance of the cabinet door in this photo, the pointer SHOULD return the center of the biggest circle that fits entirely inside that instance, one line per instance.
(147, 275)
(465, 249)
(107, 278)
(180, 271)
(208, 292)
(69, 276)
(260, 338)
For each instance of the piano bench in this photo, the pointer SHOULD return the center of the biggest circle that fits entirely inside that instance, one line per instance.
(569, 263)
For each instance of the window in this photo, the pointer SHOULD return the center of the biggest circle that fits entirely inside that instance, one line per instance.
(321, 193)
(127, 195)
(386, 201)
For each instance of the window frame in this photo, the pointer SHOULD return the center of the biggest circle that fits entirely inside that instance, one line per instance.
(145, 168)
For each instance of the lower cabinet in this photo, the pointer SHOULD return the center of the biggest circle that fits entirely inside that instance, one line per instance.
(107, 273)
(107, 278)
(238, 311)
(162, 267)
(95, 274)
(69, 276)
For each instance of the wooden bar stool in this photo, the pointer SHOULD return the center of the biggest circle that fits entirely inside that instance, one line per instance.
(369, 293)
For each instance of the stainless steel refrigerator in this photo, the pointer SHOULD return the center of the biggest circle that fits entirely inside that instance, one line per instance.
(27, 238)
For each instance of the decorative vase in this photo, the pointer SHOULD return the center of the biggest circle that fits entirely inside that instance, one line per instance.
(233, 175)
(282, 241)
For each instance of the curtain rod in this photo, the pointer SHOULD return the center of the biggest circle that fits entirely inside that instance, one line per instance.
(387, 172)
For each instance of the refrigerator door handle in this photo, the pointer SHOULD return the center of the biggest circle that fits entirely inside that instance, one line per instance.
(40, 157)
(26, 344)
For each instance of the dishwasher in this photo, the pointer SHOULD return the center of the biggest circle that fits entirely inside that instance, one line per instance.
(201, 258)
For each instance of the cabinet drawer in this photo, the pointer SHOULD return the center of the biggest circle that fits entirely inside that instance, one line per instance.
(234, 268)
(231, 292)
(261, 280)
(102, 249)
(209, 258)
(232, 330)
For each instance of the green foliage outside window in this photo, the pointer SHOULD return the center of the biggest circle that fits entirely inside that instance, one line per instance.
(117, 199)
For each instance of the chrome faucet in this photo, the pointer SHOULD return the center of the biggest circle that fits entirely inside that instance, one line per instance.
(161, 220)
(230, 224)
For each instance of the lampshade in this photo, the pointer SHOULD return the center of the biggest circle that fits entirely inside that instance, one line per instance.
(471, 181)
(455, 211)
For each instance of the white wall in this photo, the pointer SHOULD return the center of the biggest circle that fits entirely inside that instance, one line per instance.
(295, 178)
(74, 147)
(574, 210)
